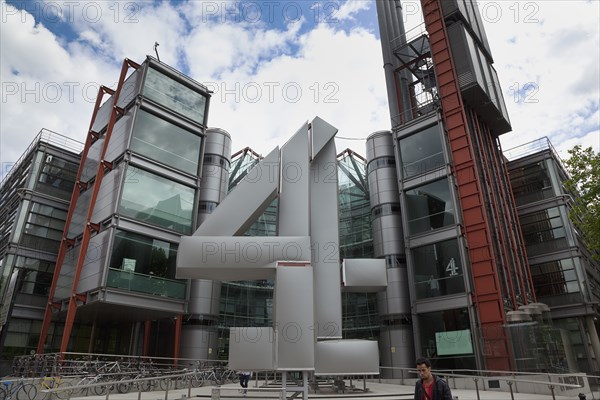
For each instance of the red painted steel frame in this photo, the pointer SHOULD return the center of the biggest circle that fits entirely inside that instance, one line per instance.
(486, 292)
(89, 228)
(66, 242)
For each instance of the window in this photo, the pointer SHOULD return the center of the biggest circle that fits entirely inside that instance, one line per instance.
(447, 339)
(555, 278)
(421, 152)
(57, 177)
(429, 207)
(438, 269)
(531, 183)
(44, 228)
(543, 231)
(132, 252)
(175, 96)
(165, 142)
(150, 198)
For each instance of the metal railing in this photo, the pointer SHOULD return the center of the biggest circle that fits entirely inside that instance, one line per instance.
(510, 377)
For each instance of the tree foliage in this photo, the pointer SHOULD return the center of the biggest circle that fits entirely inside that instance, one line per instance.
(584, 168)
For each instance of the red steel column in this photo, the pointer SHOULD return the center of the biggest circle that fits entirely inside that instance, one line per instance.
(486, 290)
(178, 325)
(146, 345)
(64, 244)
(89, 226)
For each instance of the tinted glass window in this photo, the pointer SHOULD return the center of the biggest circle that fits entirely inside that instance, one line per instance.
(438, 269)
(174, 95)
(166, 143)
(429, 207)
(151, 198)
(421, 152)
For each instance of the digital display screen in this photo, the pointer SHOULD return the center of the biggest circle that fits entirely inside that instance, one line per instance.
(453, 342)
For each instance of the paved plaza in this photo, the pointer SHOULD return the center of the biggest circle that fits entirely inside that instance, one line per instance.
(376, 391)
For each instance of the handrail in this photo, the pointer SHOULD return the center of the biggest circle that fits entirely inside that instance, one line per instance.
(509, 380)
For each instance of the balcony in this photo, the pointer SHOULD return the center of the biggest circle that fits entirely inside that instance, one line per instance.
(142, 283)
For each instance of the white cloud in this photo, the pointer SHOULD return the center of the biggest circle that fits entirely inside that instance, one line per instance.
(350, 8)
(552, 46)
(337, 69)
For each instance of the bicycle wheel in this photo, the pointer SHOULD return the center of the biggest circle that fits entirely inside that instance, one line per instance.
(235, 378)
(3, 394)
(27, 392)
(100, 390)
(144, 385)
(65, 391)
(197, 380)
(164, 384)
(124, 387)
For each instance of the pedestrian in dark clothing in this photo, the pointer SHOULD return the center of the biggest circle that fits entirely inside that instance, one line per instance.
(244, 378)
(429, 386)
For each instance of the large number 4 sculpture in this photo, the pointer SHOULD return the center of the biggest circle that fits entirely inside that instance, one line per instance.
(303, 260)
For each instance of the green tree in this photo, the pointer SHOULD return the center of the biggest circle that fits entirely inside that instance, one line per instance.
(584, 168)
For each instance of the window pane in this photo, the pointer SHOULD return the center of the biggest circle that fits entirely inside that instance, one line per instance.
(57, 177)
(165, 142)
(174, 95)
(531, 183)
(543, 232)
(446, 339)
(421, 152)
(438, 269)
(429, 207)
(150, 198)
(145, 255)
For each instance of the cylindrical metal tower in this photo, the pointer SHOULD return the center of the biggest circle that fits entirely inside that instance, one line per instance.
(396, 337)
(199, 333)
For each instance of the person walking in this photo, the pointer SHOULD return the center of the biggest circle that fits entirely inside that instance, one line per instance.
(244, 378)
(429, 386)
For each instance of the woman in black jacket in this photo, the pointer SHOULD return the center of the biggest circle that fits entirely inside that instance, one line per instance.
(430, 387)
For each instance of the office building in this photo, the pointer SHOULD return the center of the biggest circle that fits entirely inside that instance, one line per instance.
(444, 217)
(34, 199)
(565, 275)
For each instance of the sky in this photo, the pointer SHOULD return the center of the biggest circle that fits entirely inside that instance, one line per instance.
(273, 65)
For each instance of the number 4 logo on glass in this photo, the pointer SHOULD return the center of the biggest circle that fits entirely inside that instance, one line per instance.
(452, 267)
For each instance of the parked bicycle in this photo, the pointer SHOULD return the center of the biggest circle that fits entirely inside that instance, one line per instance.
(56, 382)
(17, 390)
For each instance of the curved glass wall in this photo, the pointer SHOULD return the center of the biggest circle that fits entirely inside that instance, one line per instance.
(157, 200)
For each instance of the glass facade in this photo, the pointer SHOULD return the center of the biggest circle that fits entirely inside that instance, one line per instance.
(421, 152)
(132, 252)
(144, 264)
(543, 232)
(44, 228)
(531, 183)
(446, 339)
(174, 95)
(438, 269)
(35, 275)
(156, 200)
(57, 177)
(356, 239)
(166, 143)
(556, 278)
(429, 207)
